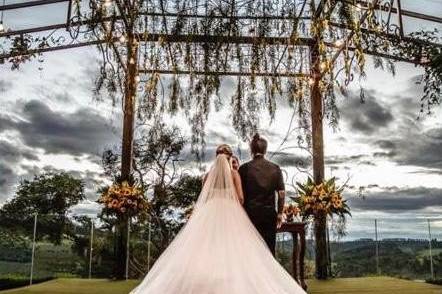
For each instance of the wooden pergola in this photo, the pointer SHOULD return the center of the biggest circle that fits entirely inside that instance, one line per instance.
(119, 32)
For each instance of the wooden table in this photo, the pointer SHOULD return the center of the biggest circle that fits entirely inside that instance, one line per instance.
(298, 254)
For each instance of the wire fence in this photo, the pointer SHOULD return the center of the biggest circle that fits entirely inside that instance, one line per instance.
(89, 251)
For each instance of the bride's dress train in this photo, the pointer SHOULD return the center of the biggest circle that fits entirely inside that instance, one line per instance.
(218, 251)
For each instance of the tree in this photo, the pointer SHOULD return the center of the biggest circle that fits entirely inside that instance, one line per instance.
(50, 196)
(170, 190)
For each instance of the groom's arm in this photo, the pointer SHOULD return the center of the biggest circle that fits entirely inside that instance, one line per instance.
(281, 201)
(280, 189)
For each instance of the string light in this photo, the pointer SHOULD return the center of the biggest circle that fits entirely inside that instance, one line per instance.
(339, 43)
(323, 65)
(131, 60)
(311, 81)
(122, 39)
(107, 3)
(137, 78)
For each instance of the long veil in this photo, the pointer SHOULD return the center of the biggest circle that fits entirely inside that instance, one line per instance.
(218, 251)
(219, 182)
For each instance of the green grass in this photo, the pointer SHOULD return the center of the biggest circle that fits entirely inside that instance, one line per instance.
(378, 285)
(426, 252)
(77, 286)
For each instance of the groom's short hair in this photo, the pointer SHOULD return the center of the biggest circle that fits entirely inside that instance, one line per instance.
(258, 144)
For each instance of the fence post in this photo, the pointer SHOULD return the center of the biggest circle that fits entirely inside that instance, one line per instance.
(127, 249)
(431, 250)
(149, 236)
(377, 246)
(91, 248)
(33, 249)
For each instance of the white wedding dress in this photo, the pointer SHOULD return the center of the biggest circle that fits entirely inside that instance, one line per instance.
(218, 251)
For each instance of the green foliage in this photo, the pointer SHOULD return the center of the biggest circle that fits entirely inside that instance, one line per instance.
(50, 196)
(169, 189)
(14, 247)
(396, 258)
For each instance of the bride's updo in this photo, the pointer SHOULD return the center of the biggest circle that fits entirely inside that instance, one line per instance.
(224, 149)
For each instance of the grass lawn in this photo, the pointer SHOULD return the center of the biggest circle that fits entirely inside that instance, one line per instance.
(379, 285)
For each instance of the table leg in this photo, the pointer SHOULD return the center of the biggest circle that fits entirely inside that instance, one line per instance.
(301, 260)
(295, 256)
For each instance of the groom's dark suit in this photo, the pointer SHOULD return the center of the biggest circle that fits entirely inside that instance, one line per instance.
(261, 179)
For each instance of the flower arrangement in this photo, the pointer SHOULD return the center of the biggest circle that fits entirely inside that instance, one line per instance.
(291, 211)
(124, 199)
(323, 199)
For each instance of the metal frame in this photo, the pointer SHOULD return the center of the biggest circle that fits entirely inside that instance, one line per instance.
(392, 32)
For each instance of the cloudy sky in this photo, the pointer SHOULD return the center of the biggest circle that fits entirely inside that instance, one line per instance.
(50, 121)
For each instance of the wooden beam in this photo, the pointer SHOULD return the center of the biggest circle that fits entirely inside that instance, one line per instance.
(29, 4)
(240, 17)
(319, 9)
(92, 43)
(422, 16)
(224, 73)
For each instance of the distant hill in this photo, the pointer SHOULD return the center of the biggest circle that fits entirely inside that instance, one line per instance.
(406, 258)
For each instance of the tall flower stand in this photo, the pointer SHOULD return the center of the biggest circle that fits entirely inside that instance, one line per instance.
(297, 229)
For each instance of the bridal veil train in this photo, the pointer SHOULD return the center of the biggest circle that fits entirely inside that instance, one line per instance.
(218, 251)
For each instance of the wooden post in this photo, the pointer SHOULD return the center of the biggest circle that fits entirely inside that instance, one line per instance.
(130, 89)
(320, 223)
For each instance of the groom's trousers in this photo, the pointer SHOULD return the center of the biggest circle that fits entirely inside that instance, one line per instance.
(265, 223)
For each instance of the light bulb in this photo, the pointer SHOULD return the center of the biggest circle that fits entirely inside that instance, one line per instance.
(137, 78)
(323, 65)
(311, 81)
(122, 39)
(2, 27)
(131, 60)
(107, 3)
(339, 43)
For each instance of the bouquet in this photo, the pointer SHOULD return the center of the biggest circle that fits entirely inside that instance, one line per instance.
(323, 199)
(291, 211)
(124, 199)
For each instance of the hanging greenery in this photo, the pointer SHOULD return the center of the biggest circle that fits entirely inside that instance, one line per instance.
(266, 44)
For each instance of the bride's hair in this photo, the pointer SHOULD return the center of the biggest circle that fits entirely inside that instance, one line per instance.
(224, 149)
(258, 145)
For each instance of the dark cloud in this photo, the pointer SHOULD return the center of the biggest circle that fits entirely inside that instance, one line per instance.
(367, 117)
(396, 199)
(13, 153)
(287, 160)
(7, 180)
(336, 160)
(5, 86)
(10, 155)
(423, 149)
(78, 133)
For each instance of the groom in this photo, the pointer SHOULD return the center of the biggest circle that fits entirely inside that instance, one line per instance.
(262, 180)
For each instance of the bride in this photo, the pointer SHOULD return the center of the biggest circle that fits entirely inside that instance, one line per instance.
(218, 251)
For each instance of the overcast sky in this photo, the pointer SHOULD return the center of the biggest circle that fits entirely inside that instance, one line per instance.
(49, 121)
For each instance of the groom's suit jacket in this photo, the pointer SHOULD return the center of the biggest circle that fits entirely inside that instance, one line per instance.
(261, 179)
